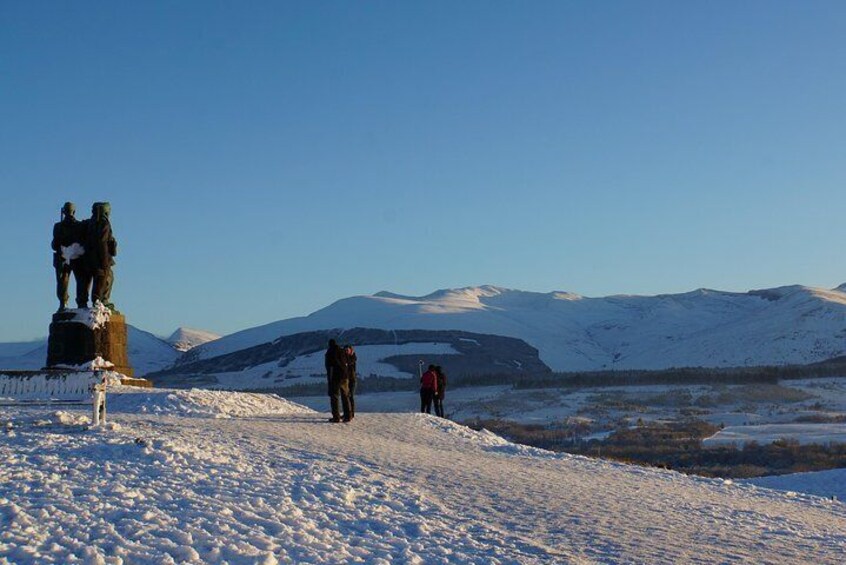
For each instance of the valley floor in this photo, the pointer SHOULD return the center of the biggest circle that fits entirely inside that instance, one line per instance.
(276, 483)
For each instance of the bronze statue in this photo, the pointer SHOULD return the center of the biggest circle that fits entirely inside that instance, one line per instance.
(68, 253)
(101, 248)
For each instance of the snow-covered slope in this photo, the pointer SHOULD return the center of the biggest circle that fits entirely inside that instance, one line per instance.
(792, 324)
(387, 488)
(829, 484)
(184, 339)
(147, 353)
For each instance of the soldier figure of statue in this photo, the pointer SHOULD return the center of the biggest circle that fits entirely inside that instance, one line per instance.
(68, 257)
(101, 248)
(87, 249)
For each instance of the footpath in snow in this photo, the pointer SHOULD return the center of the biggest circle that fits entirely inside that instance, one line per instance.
(214, 477)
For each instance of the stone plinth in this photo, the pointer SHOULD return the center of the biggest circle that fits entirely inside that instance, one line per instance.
(75, 341)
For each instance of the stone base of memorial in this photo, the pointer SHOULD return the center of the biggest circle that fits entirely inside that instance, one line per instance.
(79, 336)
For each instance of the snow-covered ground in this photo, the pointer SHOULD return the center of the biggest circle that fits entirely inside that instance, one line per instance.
(761, 413)
(821, 483)
(273, 482)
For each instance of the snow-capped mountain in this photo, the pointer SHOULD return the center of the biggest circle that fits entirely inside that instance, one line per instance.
(791, 324)
(184, 339)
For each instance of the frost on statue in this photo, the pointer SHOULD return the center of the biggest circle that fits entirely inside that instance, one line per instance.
(72, 252)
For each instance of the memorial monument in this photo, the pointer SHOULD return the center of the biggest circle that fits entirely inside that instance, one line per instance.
(87, 250)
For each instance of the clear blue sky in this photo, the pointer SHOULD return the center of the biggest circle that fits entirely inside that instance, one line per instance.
(266, 158)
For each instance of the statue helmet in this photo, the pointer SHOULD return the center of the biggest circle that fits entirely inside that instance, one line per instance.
(68, 209)
(101, 210)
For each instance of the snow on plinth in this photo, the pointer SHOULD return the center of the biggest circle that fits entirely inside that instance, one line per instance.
(97, 364)
(95, 317)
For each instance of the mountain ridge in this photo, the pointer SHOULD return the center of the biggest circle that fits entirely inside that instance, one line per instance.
(704, 327)
(790, 324)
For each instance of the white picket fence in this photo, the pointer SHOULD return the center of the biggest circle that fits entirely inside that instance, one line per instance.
(49, 385)
(88, 387)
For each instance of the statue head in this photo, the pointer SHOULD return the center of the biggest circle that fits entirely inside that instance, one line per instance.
(68, 210)
(101, 210)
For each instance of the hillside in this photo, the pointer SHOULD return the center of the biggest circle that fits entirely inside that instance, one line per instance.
(704, 328)
(298, 358)
(785, 325)
(212, 477)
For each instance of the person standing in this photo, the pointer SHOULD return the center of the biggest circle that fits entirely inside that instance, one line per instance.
(428, 389)
(439, 397)
(352, 359)
(338, 381)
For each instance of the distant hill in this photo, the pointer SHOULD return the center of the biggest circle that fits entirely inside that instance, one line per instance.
(298, 358)
(790, 325)
(702, 328)
(185, 339)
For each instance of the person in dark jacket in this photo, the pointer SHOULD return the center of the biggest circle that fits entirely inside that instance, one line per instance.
(352, 359)
(338, 381)
(439, 397)
(428, 389)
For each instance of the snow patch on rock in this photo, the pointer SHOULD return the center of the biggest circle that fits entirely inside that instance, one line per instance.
(97, 364)
(95, 317)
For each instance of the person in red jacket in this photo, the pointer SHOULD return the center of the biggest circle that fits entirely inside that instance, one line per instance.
(428, 389)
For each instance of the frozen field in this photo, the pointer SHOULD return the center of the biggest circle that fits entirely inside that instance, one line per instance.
(196, 477)
(805, 410)
(822, 434)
